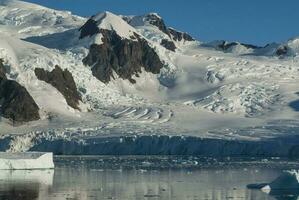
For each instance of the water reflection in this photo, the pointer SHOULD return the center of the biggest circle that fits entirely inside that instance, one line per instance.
(285, 194)
(25, 185)
(19, 191)
(85, 183)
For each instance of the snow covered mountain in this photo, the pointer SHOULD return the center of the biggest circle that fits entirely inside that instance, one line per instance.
(64, 77)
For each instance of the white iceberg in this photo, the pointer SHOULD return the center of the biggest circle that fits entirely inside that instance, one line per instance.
(26, 161)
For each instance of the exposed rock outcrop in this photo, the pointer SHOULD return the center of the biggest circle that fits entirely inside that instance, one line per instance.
(90, 28)
(168, 44)
(179, 36)
(157, 21)
(282, 50)
(63, 81)
(125, 57)
(127, 19)
(16, 103)
(251, 46)
(2, 71)
(224, 45)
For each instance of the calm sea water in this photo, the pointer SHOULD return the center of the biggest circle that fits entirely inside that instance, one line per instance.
(82, 178)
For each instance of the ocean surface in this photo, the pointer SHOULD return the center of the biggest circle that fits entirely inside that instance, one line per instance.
(145, 178)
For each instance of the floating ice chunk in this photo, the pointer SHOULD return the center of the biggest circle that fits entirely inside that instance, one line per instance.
(266, 189)
(26, 161)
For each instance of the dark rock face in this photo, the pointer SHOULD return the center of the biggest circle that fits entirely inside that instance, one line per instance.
(155, 20)
(168, 45)
(2, 71)
(16, 103)
(250, 46)
(179, 36)
(123, 56)
(90, 28)
(63, 81)
(281, 51)
(127, 19)
(226, 45)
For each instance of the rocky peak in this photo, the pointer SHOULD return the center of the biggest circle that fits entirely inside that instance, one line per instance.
(179, 36)
(106, 21)
(223, 45)
(156, 20)
(152, 19)
(119, 49)
(125, 57)
(89, 29)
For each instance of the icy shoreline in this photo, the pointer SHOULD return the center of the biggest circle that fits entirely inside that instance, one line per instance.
(287, 146)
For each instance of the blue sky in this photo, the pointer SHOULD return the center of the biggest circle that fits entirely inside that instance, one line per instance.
(249, 21)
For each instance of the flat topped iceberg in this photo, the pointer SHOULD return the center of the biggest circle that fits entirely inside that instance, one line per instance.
(26, 161)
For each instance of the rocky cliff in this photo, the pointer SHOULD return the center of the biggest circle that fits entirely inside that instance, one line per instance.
(125, 57)
(63, 81)
(16, 103)
(179, 36)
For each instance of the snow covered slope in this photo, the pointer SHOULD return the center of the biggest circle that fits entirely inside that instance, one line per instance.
(135, 76)
(22, 19)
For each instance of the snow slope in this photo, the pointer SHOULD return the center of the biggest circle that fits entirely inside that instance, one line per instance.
(22, 19)
(201, 91)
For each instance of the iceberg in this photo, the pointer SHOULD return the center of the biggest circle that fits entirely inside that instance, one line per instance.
(286, 184)
(26, 161)
(288, 180)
